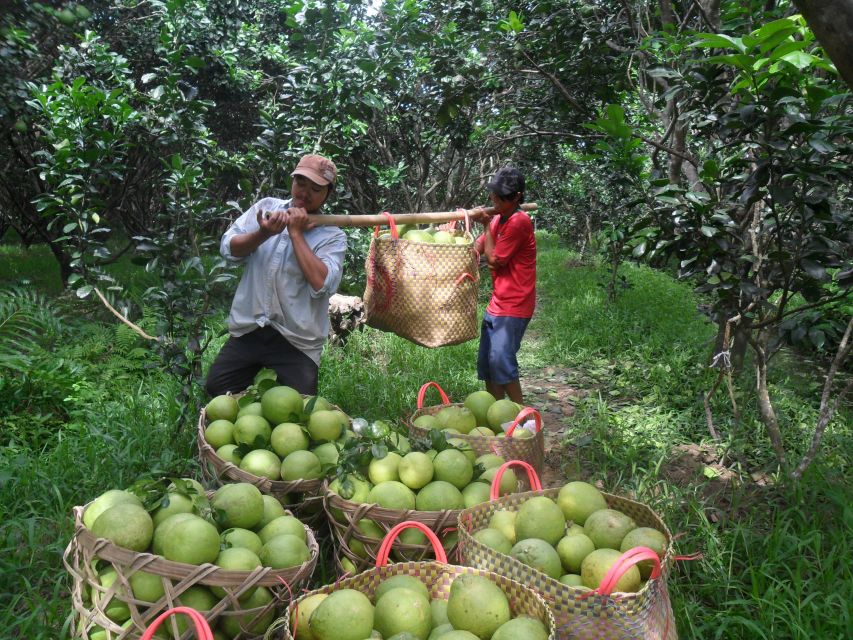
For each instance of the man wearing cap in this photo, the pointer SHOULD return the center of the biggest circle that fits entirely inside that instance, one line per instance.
(280, 313)
(509, 247)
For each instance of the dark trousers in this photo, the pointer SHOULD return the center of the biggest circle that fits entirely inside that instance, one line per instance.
(241, 358)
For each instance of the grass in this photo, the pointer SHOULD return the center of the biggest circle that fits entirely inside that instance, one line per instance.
(92, 413)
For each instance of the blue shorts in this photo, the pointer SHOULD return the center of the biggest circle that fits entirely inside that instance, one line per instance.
(500, 339)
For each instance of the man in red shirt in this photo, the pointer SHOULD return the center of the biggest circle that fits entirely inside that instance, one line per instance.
(509, 247)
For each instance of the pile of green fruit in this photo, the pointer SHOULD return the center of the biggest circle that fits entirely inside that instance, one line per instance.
(280, 437)
(475, 609)
(479, 415)
(237, 529)
(429, 235)
(575, 539)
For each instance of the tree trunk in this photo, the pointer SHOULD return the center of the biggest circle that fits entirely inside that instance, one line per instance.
(832, 23)
(765, 405)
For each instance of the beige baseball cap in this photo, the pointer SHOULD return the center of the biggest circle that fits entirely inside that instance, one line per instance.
(318, 169)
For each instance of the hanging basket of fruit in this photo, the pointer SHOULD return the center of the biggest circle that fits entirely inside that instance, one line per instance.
(280, 441)
(488, 426)
(600, 561)
(229, 554)
(423, 285)
(419, 599)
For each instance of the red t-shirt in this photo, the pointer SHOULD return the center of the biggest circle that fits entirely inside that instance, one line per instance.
(514, 284)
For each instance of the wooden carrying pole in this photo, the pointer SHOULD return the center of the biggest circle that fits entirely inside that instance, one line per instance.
(401, 218)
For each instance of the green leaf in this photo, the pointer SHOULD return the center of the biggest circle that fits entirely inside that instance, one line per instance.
(708, 232)
(194, 62)
(157, 92)
(719, 41)
(84, 291)
(147, 77)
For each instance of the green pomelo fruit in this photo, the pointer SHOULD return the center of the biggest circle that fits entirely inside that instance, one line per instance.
(347, 565)
(384, 469)
(301, 465)
(411, 537)
(459, 418)
(400, 582)
(439, 495)
(282, 404)
(476, 493)
(572, 550)
(454, 467)
(105, 501)
(234, 625)
(522, 433)
(368, 529)
(392, 495)
(282, 525)
(517, 628)
(439, 630)
(254, 431)
(403, 611)
(415, 470)
(443, 237)
(171, 504)
(328, 454)
(478, 403)
(325, 426)
(493, 539)
(572, 580)
(303, 614)
(187, 486)
(645, 537)
(596, 565)
(320, 404)
(126, 525)
(272, 510)
(607, 528)
(238, 505)
(499, 413)
(465, 447)
(241, 538)
(574, 530)
(438, 610)
(251, 409)
(427, 422)
(345, 615)
(458, 634)
(489, 460)
(482, 431)
(219, 433)
(236, 559)
(478, 605)
(578, 500)
(360, 491)
(538, 554)
(147, 586)
(198, 598)
(284, 551)
(262, 463)
(287, 438)
(509, 481)
(228, 453)
(504, 521)
(162, 530)
(348, 434)
(540, 517)
(193, 541)
(66, 17)
(115, 609)
(222, 408)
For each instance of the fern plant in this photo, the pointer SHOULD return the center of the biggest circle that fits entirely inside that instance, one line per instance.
(27, 318)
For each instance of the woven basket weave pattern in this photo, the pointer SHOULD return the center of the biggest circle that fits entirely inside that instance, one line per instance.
(85, 549)
(420, 292)
(530, 450)
(438, 578)
(644, 615)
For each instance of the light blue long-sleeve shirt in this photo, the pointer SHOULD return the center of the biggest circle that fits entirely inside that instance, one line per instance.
(273, 290)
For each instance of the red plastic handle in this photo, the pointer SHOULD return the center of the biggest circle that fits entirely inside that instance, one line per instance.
(202, 629)
(423, 390)
(392, 223)
(385, 547)
(535, 485)
(527, 411)
(625, 562)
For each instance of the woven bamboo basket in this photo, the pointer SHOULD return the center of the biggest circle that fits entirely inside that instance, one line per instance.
(85, 552)
(437, 576)
(581, 615)
(303, 497)
(343, 515)
(530, 450)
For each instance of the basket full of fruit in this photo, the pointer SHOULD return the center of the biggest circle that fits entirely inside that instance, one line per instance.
(275, 438)
(600, 561)
(232, 554)
(501, 427)
(420, 600)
